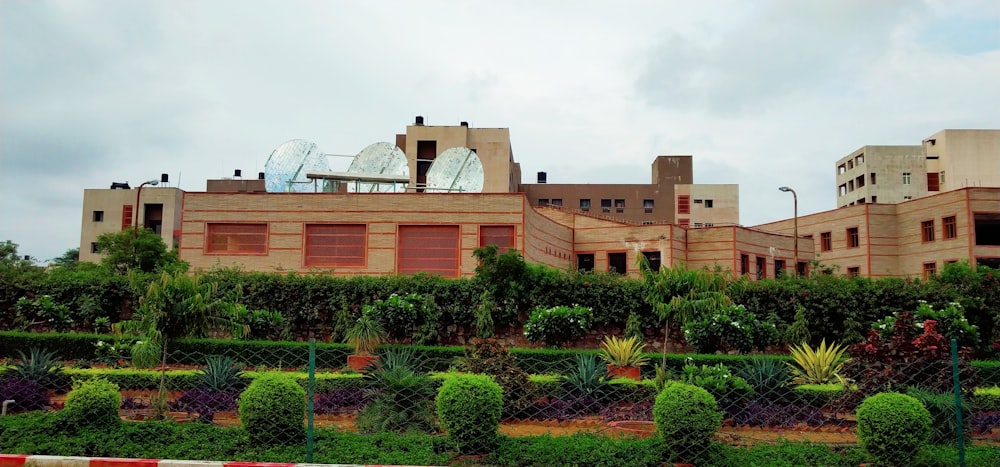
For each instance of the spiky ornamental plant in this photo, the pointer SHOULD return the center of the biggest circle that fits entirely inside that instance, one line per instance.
(819, 366)
(177, 306)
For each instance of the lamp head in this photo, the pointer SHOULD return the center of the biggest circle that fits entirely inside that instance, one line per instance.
(785, 188)
(153, 182)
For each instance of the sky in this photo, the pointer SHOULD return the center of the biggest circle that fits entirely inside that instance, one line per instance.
(762, 93)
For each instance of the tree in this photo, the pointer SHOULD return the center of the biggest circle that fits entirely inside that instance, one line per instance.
(683, 294)
(177, 306)
(124, 251)
(502, 276)
(10, 259)
(67, 260)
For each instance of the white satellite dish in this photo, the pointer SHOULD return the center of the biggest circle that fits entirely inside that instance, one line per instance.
(286, 167)
(456, 170)
(379, 159)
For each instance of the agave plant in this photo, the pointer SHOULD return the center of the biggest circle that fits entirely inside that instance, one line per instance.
(39, 365)
(819, 366)
(402, 399)
(366, 334)
(623, 352)
(589, 378)
(220, 374)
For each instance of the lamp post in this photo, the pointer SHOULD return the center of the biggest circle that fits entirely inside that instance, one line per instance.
(135, 221)
(795, 226)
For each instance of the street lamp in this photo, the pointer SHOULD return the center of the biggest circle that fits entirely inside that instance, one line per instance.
(135, 222)
(795, 226)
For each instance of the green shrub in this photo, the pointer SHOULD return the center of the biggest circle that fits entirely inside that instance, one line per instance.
(402, 399)
(469, 409)
(92, 404)
(686, 417)
(491, 357)
(726, 388)
(732, 328)
(558, 325)
(986, 399)
(272, 409)
(816, 395)
(893, 427)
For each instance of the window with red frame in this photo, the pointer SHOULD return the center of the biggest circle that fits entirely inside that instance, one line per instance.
(500, 235)
(335, 245)
(236, 239)
(950, 226)
(927, 231)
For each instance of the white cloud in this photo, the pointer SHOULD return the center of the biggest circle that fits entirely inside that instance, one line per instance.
(762, 94)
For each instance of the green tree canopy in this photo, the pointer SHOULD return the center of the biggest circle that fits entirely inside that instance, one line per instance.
(126, 251)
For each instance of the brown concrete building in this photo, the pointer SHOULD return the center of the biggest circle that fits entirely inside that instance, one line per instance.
(913, 238)
(107, 210)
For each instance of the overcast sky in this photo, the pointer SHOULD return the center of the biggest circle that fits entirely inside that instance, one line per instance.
(761, 93)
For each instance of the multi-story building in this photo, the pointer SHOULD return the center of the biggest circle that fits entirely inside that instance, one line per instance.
(947, 160)
(591, 227)
(114, 210)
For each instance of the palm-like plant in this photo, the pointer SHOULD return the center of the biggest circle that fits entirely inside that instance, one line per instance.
(589, 378)
(819, 366)
(366, 334)
(39, 365)
(685, 294)
(623, 352)
(177, 306)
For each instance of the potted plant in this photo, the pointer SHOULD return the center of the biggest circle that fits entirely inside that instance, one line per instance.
(366, 334)
(624, 356)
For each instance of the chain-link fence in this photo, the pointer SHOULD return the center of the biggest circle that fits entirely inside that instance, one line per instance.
(282, 393)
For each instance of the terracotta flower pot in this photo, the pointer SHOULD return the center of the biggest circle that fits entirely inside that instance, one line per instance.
(630, 372)
(360, 362)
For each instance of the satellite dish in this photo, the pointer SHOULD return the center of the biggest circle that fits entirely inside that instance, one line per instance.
(456, 170)
(286, 167)
(379, 159)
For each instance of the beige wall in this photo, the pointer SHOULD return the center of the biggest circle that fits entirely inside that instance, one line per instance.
(112, 203)
(969, 158)
(286, 215)
(888, 163)
(492, 145)
(725, 202)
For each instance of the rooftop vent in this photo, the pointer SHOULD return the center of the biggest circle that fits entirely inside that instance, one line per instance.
(419, 121)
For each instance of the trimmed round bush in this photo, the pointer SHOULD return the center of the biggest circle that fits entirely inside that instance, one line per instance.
(272, 409)
(92, 404)
(469, 408)
(686, 416)
(893, 427)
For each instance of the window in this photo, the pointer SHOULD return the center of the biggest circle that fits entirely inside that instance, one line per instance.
(861, 201)
(841, 169)
(647, 206)
(874, 199)
(853, 239)
(236, 239)
(779, 268)
(709, 224)
(930, 270)
(697, 201)
(709, 204)
(906, 178)
(619, 206)
(335, 245)
(941, 177)
(860, 159)
(98, 216)
(987, 228)
(744, 264)
(500, 235)
(853, 271)
(605, 205)
(927, 231)
(801, 268)
(698, 224)
(557, 202)
(907, 197)
(648, 222)
(93, 247)
(842, 190)
(433, 249)
(126, 216)
(585, 262)
(860, 181)
(933, 182)
(850, 165)
(761, 268)
(850, 185)
(872, 177)
(653, 258)
(543, 201)
(683, 204)
(617, 263)
(585, 205)
(683, 222)
(825, 241)
(950, 227)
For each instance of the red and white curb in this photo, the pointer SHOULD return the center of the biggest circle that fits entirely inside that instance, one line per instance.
(19, 460)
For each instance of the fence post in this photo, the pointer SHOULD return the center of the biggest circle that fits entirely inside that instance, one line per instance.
(960, 431)
(310, 394)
